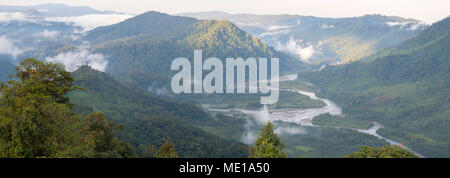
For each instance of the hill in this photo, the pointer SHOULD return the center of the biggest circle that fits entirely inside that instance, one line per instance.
(142, 48)
(150, 120)
(406, 88)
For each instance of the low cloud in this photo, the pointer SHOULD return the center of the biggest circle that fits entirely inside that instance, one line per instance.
(7, 47)
(406, 25)
(91, 21)
(276, 27)
(273, 33)
(325, 26)
(303, 52)
(47, 34)
(289, 131)
(16, 16)
(74, 59)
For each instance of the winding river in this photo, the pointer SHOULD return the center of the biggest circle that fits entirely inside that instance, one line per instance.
(304, 117)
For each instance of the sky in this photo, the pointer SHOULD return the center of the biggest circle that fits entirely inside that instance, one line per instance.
(428, 11)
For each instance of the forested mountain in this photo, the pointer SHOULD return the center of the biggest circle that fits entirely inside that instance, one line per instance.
(406, 88)
(323, 40)
(141, 49)
(149, 120)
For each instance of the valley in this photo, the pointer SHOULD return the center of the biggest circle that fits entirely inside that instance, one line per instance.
(345, 82)
(300, 117)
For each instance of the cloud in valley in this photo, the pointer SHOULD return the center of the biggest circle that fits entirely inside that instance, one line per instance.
(16, 16)
(47, 34)
(7, 47)
(74, 59)
(406, 25)
(303, 52)
(91, 21)
(289, 131)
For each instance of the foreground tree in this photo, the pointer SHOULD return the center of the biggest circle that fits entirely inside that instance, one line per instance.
(267, 145)
(36, 119)
(167, 150)
(382, 152)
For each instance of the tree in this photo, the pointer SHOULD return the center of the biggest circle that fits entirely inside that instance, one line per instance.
(167, 150)
(36, 119)
(37, 77)
(382, 152)
(267, 145)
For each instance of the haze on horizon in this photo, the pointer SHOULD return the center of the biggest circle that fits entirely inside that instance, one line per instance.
(424, 10)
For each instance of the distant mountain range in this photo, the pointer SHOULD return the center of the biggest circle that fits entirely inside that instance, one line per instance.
(55, 10)
(323, 40)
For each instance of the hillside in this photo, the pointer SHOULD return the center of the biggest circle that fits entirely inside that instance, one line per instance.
(141, 49)
(406, 88)
(149, 120)
(323, 40)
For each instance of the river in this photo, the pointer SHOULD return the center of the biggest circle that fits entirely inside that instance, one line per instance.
(304, 117)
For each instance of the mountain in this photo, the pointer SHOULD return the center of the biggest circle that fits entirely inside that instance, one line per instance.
(406, 88)
(6, 68)
(55, 10)
(323, 40)
(149, 120)
(140, 50)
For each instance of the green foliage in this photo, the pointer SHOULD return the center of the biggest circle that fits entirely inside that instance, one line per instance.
(383, 152)
(267, 145)
(36, 118)
(36, 78)
(167, 150)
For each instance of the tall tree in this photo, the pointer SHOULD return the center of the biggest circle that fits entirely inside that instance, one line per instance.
(167, 150)
(267, 145)
(36, 119)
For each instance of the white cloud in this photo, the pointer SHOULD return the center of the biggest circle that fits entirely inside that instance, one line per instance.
(406, 25)
(273, 33)
(7, 47)
(91, 21)
(74, 59)
(306, 53)
(293, 47)
(289, 131)
(16, 16)
(325, 26)
(47, 34)
(275, 27)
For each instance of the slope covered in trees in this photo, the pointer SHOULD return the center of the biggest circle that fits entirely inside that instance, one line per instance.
(405, 88)
(151, 121)
(140, 50)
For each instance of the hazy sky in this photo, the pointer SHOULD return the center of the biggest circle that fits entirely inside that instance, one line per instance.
(425, 10)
